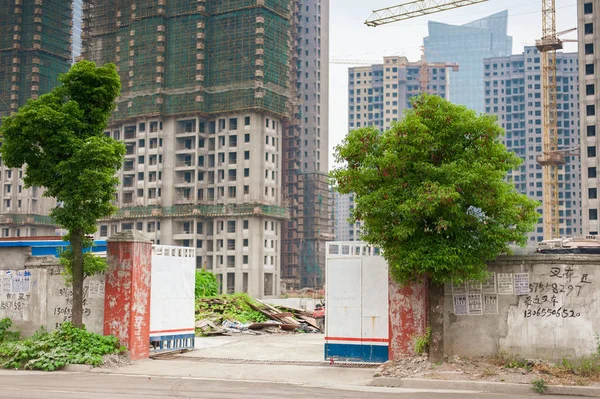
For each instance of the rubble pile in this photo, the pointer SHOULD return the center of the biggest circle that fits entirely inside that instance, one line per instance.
(238, 313)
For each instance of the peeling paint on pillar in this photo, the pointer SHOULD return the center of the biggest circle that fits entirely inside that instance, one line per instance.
(408, 317)
(127, 299)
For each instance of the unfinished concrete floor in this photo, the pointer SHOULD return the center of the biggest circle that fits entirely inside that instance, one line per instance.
(271, 347)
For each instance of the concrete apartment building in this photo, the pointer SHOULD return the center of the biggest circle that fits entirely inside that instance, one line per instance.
(377, 96)
(588, 24)
(513, 92)
(344, 231)
(305, 152)
(35, 48)
(468, 45)
(205, 93)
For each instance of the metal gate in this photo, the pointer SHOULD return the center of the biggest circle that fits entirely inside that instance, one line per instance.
(356, 320)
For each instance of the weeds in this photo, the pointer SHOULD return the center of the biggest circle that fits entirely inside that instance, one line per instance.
(51, 351)
(5, 334)
(422, 342)
(539, 385)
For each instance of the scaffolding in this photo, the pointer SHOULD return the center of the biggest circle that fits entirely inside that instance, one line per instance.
(144, 212)
(205, 57)
(35, 48)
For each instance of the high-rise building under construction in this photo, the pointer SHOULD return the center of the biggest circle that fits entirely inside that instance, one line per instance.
(35, 48)
(206, 90)
(305, 152)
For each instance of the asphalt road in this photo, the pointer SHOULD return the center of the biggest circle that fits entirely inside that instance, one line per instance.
(16, 385)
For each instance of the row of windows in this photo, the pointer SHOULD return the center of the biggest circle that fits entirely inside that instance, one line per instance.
(187, 227)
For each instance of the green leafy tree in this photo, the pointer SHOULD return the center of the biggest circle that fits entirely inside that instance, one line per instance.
(432, 192)
(59, 139)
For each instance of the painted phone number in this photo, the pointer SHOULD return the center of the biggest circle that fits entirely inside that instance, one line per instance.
(546, 312)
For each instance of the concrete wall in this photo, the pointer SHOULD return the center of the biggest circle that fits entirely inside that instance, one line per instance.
(539, 306)
(35, 295)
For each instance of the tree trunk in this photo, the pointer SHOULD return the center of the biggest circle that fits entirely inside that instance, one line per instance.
(77, 266)
(436, 321)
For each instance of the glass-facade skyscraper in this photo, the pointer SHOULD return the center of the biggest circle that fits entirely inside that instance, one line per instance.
(468, 45)
(513, 92)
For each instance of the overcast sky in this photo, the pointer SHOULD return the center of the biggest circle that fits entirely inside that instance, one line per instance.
(351, 39)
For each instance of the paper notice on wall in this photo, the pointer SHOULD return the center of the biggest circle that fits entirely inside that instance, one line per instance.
(460, 305)
(521, 283)
(505, 284)
(490, 304)
(93, 289)
(100, 289)
(489, 285)
(459, 288)
(474, 303)
(5, 285)
(21, 283)
(474, 287)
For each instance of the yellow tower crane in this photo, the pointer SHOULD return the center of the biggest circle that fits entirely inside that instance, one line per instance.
(551, 157)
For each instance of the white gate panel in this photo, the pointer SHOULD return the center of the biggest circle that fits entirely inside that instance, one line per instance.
(172, 303)
(343, 303)
(356, 303)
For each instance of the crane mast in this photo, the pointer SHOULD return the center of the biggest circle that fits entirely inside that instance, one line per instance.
(551, 158)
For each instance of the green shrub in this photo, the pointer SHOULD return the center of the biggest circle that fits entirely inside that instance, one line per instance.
(51, 351)
(206, 284)
(422, 342)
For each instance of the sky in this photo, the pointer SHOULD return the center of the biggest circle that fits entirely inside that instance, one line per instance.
(351, 39)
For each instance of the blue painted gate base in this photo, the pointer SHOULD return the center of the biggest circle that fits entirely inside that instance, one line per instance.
(172, 343)
(357, 353)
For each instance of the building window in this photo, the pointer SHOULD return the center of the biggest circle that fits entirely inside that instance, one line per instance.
(593, 214)
(589, 69)
(591, 130)
(591, 172)
(247, 138)
(103, 231)
(232, 123)
(591, 151)
(592, 193)
(590, 90)
(588, 8)
(247, 121)
(589, 48)
(589, 28)
(246, 155)
(590, 110)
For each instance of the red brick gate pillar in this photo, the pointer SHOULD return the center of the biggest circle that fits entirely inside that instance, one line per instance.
(408, 317)
(127, 298)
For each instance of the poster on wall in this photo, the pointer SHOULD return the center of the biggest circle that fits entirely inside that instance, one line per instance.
(459, 288)
(521, 283)
(474, 287)
(460, 305)
(505, 284)
(490, 304)
(489, 286)
(475, 307)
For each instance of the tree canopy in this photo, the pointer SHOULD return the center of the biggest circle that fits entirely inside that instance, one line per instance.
(59, 139)
(432, 191)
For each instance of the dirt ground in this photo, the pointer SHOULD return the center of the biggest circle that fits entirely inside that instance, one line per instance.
(502, 369)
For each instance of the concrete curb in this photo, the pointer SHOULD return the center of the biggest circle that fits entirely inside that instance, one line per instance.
(77, 368)
(482, 386)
